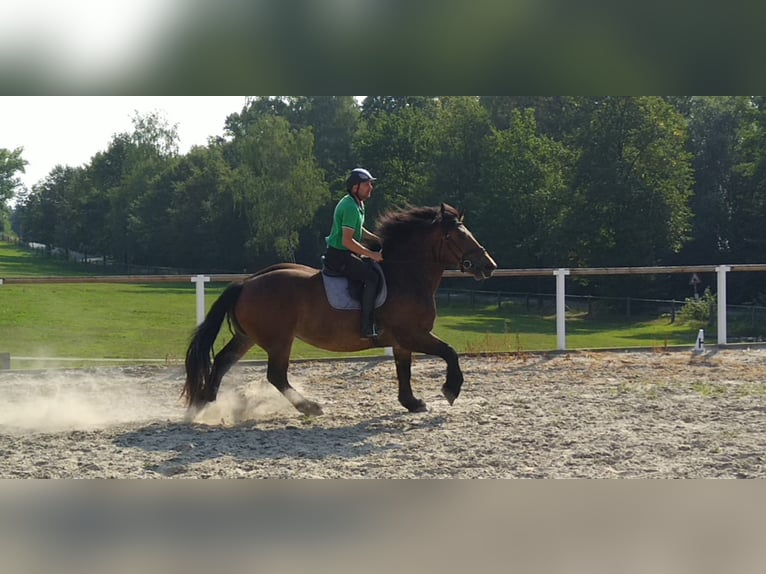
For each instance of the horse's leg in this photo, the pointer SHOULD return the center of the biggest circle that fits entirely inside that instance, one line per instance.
(403, 358)
(232, 352)
(276, 373)
(431, 345)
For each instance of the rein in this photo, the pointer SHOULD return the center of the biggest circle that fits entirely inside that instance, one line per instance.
(464, 262)
(454, 255)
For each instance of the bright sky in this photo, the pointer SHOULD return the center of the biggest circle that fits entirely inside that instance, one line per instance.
(70, 130)
(86, 38)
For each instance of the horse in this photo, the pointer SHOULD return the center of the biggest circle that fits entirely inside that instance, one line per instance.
(280, 303)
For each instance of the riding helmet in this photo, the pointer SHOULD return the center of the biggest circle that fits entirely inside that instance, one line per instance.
(358, 175)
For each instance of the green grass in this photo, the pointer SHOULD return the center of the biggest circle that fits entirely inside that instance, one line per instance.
(112, 321)
(18, 262)
(103, 321)
(96, 320)
(154, 321)
(487, 329)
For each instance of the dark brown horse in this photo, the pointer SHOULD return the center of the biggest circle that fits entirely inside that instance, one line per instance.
(274, 306)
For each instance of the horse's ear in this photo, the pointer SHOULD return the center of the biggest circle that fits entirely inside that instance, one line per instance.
(444, 209)
(439, 216)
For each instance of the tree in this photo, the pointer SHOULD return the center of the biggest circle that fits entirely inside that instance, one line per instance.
(142, 154)
(748, 197)
(202, 227)
(237, 124)
(396, 143)
(101, 191)
(334, 121)
(154, 135)
(374, 105)
(42, 209)
(525, 179)
(11, 163)
(714, 132)
(278, 185)
(555, 116)
(630, 198)
(459, 152)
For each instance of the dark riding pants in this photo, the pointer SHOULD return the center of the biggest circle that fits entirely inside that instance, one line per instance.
(355, 267)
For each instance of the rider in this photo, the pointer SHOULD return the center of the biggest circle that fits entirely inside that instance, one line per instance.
(345, 252)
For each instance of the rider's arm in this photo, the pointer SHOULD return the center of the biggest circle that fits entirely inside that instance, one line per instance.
(355, 247)
(370, 236)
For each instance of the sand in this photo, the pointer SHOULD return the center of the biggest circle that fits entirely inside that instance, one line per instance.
(575, 415)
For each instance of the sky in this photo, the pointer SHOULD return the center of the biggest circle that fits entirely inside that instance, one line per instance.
(70, 130)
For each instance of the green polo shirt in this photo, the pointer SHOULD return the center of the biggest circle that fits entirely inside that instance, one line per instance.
(348, 213)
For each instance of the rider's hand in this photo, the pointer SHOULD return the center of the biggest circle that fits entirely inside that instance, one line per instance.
(376, 256)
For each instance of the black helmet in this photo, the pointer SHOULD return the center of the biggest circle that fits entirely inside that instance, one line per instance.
(358, 175)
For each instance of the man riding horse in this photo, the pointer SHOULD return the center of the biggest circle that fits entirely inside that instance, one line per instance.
(346, 255)
(288, 301)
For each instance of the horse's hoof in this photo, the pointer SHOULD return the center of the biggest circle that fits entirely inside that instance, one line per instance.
(191, 414)
(194, 409)
(415, 405)
(449, 394)
(310, 409)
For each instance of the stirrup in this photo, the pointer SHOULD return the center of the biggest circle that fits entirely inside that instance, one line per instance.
(371, 333)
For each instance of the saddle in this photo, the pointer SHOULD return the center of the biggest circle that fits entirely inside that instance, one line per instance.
(346, 294)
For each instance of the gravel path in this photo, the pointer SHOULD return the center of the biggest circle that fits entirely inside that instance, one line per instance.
(589, 415)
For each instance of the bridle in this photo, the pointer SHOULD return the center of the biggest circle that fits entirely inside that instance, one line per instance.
(465, 263)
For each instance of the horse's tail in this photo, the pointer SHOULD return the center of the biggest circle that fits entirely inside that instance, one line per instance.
(199, 355)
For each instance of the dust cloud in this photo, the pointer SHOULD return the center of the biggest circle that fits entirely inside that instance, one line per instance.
(91, 399)
(68, 400)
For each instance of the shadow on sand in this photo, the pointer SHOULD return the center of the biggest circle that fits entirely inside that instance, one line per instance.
(194, 443)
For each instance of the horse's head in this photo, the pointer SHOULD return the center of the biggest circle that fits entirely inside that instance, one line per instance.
(458, 246)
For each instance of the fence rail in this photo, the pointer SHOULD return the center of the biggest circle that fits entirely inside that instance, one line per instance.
(559, 274)
(221, 278)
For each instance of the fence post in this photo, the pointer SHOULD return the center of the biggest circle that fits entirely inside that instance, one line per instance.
(561, 308)
(200, 280)
(721, 271)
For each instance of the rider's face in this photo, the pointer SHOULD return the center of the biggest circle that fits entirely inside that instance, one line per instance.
(364, 191)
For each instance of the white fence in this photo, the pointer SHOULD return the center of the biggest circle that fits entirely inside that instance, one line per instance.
(559, 275)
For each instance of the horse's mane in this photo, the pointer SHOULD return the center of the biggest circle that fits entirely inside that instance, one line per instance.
(401, 227)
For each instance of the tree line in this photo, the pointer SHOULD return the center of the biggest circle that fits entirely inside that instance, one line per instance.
(546, 181)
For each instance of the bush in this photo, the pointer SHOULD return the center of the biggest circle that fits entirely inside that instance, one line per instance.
(701, 310)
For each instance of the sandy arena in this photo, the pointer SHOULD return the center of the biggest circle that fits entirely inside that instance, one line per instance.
(578, 415)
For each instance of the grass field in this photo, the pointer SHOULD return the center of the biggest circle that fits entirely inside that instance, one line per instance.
(510, 329)
(154, 321)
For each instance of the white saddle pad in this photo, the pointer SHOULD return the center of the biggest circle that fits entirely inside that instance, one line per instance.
(339, 297)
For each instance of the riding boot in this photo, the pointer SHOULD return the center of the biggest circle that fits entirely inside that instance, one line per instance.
(369, 330)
